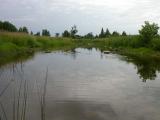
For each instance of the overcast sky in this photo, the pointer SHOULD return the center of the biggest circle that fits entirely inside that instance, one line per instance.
(88, 15)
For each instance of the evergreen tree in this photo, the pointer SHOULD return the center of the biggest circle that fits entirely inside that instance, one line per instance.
(96, 36)
(107, 33)
(37, 34)
(66, 34)
(102, 34)
(20, 29)
(23, 29)
(124, 33)
(45, 32)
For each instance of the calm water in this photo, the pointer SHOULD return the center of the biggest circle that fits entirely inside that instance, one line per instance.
(80, 85)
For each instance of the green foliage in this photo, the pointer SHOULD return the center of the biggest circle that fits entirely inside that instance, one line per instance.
(124, 33)
(102, 34)
(13, 44)
(57, 34)
(19, 43)
(155, 44)
(107, 33)
(38, 34)
(1, 25)
(89, 35)
(66, 34)
(148, 32)
(73, 31)
(7, 26)
(115, 33)
(23, 29)
(45, 32)
(7, 49)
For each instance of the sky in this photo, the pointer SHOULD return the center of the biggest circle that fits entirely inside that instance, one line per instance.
(87, 15)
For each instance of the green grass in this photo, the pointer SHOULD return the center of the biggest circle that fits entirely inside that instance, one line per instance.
(13, 45)
(18, 44)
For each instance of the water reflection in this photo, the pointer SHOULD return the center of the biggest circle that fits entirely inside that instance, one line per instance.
(72, 110)
(147, 68)
(80, 84)
(16, 59)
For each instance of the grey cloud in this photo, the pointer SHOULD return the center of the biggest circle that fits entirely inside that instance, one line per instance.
(90, 15)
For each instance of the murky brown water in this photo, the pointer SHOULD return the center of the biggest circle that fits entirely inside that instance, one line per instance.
(84, 85)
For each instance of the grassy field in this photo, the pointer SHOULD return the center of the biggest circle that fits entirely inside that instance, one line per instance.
(15, 45)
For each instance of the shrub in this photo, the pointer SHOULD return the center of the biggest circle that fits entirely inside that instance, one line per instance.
(148, 32)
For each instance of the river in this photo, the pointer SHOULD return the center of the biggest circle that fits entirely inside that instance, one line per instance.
(82, 84)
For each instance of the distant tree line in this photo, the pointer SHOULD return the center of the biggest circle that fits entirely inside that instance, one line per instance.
(7, 26)
(23, 29)
(73, 31)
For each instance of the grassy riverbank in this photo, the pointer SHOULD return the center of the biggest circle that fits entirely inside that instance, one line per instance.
(13, 45)
(129, 46)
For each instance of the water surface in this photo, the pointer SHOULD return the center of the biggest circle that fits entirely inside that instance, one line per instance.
(81, 85)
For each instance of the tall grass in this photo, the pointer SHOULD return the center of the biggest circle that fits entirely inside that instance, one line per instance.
(17, 44)
(23, 41)
(13, 45)
(43, 98)
(19, 100)
(114, 42)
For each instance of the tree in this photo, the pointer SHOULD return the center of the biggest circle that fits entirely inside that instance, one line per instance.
(8, 26)
(102, 34)
(89, 35)
(115, 33)
(57, 34)
(45, 32)
(31, 33)
(66, 33)
(74, 31)
(107, 33)
(148, 32)
(1, 25)
(20, 29)
(124, 33)
(37, 34)
(96, 36)
(23, 29)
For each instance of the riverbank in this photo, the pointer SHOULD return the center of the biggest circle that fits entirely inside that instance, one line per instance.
(13, 45)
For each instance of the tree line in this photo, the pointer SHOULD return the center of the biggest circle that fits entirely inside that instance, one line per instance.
(7, 26)
(146, 33)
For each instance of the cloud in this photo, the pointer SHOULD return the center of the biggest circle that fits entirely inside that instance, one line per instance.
(89, 15)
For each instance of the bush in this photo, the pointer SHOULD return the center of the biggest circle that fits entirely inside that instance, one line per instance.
(155, 44)
(148, 32)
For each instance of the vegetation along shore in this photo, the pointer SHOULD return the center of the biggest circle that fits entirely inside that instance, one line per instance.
(20, 42)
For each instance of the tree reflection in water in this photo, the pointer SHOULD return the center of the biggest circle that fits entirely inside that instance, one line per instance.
(147, 68)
